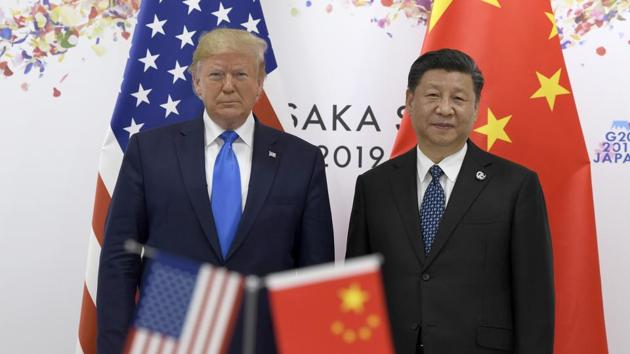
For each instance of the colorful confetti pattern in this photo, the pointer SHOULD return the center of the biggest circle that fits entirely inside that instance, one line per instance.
(36, 33)
(31, 35)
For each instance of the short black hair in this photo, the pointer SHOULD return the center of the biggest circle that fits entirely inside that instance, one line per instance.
(449, 60)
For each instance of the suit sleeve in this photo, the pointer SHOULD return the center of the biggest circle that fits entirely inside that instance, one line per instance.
(119, 271)
(532, 271)
(316, 244)
(358, 242)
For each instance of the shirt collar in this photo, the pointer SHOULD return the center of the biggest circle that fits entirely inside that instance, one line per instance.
(450, 164)
(213, 130)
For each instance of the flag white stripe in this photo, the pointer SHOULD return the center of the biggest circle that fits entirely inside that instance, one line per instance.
(110, 161)
(91, 268)
(140, 337)
(154, 343)
(226, 308)
(78, 349)
(208, 311)
(169, 346)
(191, 315)
(323, 272)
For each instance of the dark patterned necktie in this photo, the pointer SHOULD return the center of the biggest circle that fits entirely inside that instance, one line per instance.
(432, 208)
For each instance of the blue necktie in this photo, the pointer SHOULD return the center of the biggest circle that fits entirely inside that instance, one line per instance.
(432, 208)
(226, 192)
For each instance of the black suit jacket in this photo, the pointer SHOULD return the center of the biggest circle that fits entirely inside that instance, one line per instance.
(161, 200)
(487, 284)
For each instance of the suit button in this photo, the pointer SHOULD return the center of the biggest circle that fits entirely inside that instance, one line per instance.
(414, 326)
(426, 277)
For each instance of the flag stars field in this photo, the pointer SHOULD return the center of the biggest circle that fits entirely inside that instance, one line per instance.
(353, 298)
(494, 129)
(554, 28)
(550, 88)
(142, 95)
(133, 128)
(493, 3)
(186, 37)
(149, 61)
(222, 14)
(251, 25)
(156, 26)
(192, 5)
(170, 106)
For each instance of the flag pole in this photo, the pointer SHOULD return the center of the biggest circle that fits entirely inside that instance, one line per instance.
(252, 287)
(132, 246)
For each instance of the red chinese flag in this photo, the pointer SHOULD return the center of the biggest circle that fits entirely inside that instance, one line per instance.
(527, 114)
(332, 310)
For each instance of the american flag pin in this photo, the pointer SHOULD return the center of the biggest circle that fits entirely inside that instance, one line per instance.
(272, 154)
(480, 176)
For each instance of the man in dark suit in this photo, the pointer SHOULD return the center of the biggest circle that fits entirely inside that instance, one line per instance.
(464, 233)
(222, 189)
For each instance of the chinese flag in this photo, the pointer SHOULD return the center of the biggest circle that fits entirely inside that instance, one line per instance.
(332, 310)
(527, 114)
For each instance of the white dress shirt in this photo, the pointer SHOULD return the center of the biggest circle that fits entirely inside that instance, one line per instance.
(450, 165)
(242, 146)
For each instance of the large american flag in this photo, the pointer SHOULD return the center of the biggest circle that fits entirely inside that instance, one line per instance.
(156, 91)
(185, 307)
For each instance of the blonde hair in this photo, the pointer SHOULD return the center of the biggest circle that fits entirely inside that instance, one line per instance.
(225, 40)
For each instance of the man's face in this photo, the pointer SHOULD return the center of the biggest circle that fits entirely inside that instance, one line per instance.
(443, 110)
(228, 84)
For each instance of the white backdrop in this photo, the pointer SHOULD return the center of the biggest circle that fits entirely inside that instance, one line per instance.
(328, 57)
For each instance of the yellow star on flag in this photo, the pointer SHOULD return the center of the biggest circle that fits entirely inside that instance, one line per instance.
(438, 9)
(353, 298)
(495, 129)
(554, 28)
(550, 88)
(492, 2)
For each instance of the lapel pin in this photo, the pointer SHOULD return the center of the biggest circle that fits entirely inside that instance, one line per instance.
(272, 154)
(480, 176)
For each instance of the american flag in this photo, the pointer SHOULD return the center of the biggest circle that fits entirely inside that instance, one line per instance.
(156, 91)
(185, 307)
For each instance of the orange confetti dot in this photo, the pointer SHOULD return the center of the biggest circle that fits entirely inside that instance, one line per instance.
(601, 51)
(56, 93)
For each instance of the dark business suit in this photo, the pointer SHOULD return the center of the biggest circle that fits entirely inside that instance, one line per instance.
(161, 200)
(487, 284)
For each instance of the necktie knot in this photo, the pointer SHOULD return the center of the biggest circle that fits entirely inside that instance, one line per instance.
(436, 172)
(229, 136)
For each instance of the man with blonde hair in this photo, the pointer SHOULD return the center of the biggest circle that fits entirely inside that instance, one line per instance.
(223, 189)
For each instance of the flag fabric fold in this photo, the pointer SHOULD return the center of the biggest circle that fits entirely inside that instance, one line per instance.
(328, 309)
(527, 114)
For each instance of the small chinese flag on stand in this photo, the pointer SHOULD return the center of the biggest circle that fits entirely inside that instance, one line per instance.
(331, 309)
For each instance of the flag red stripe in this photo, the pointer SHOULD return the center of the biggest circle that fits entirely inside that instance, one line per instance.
(215, 314)
(265, 113)
(161, 346)
(101, 205)
(87, 324)
(232, 322)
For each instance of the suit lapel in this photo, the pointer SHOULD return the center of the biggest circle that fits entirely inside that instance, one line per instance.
(264, 169)
(466, 189)
(405, 190)
(190, 152)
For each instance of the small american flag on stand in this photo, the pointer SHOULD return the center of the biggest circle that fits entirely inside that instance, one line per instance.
(185, 307)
